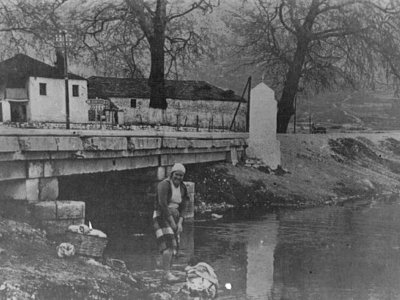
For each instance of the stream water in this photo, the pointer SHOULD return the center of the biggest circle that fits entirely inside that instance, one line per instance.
(338, 252)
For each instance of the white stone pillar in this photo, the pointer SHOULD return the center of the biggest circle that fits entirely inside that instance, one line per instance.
(263, 144)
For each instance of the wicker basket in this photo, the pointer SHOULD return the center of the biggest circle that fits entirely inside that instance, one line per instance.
(87, 245)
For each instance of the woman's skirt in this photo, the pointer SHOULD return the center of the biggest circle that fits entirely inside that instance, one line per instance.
(166, 237)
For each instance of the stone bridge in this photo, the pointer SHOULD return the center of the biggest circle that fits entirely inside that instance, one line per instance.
(32, 160)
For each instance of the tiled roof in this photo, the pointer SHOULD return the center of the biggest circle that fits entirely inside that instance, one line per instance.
(16, 69)
(107, 87)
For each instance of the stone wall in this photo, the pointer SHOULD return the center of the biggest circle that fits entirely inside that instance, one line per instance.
(187, 113)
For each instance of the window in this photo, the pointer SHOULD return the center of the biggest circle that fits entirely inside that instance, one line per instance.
(42, 89)
(133, 103)
(75, 90)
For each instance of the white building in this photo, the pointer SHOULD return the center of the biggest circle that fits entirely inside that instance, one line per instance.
(31, 90)
(190, 103)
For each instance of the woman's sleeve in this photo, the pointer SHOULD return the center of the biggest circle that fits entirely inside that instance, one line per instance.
(162, 194)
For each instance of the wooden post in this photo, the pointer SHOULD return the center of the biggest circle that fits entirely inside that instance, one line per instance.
(67, 119)
(95, 116)
(295, 114)
(237, 109)
(248, 107)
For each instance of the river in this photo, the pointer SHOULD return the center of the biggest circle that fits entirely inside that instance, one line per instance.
(336, 252)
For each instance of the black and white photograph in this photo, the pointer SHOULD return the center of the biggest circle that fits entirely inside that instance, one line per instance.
(200, 149)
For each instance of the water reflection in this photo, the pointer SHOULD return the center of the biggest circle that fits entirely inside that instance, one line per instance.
(139, 249)
(242, 254)
(349, 252)
(338, 253)
(260, 259)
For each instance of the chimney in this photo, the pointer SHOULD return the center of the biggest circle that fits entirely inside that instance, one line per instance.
(60, 64)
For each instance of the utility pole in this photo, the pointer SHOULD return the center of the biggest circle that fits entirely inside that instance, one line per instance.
(64, 34)
(62, 39)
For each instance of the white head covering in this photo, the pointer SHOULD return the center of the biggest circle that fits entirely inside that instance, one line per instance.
(178, 167)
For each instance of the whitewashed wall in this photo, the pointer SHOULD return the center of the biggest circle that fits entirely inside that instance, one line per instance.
(51, 107)
(217, 114)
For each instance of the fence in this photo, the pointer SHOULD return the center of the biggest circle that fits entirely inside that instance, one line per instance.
(101, 125)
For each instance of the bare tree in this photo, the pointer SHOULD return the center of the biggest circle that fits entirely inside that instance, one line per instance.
(28, 25)
(132, 29)
(317, 44)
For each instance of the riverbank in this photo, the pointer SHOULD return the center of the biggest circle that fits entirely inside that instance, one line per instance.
(316, 170)
(322, 169)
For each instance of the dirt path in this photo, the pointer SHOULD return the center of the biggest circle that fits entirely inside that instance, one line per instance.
(344, 108)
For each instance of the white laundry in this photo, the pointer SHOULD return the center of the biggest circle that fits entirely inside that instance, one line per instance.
(201, 280)
(65, 250)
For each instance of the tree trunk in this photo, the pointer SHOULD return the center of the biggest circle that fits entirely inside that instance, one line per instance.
(283, 119)
(156, 41)
(286, 103)
(290, 88)
(156, 79)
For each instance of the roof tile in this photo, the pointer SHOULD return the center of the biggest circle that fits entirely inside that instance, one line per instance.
(108, 87)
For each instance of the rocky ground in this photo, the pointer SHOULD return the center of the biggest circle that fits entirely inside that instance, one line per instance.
(316, 170)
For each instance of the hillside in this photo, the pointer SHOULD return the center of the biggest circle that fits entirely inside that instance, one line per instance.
(345, 111)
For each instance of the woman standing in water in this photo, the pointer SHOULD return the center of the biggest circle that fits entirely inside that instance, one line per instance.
(171, 202)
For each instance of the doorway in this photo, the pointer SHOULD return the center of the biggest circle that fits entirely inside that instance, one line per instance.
(18, 112)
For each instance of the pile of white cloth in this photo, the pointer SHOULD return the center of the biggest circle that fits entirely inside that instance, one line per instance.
(201, 280)
(65, 250)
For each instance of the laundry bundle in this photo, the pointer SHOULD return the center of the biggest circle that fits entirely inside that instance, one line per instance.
(65, 250)
(84, 229)
(201, 281)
